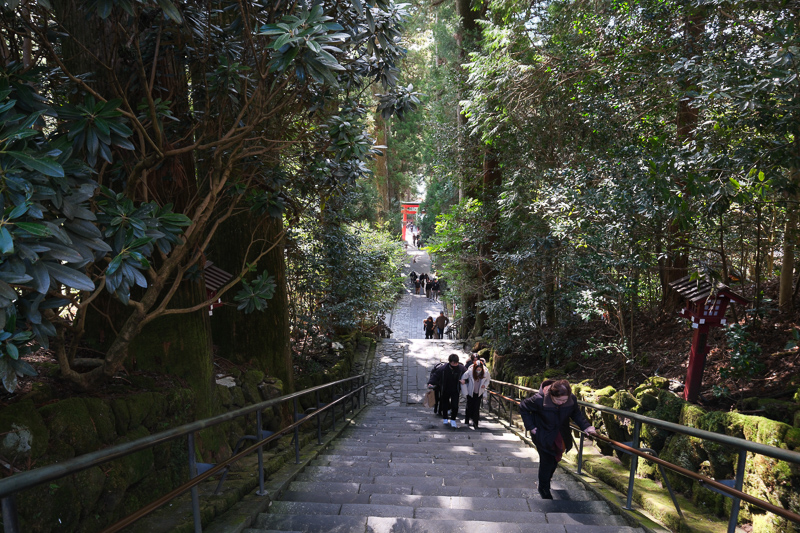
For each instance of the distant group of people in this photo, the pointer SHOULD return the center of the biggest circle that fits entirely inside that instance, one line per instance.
(429, 286)
(434, 329)
(414, 230)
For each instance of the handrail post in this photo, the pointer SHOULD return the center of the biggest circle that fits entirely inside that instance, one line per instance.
(333, 409)
(637, 427)
(580, 454)
(198, 525)
(10, 519)
(296, 434)
(738, 484)
(261, 491)
(319, 419)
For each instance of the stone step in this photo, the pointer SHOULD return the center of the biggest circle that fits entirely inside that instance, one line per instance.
(372, 524)
(467, 515)
(401, 470)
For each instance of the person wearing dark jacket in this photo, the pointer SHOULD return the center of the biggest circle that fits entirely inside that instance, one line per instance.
(546, 414)
(436, 386)
(449, 379)
(427, 325)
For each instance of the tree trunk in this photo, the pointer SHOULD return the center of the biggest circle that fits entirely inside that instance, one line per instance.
(382, 163)
(261, 338)
(785, 292)
(492, 179)
(677, 262)
(180, 345)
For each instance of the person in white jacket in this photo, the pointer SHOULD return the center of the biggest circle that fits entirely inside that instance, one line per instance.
(473, 385)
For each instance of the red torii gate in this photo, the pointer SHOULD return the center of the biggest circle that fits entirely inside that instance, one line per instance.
(408, 208)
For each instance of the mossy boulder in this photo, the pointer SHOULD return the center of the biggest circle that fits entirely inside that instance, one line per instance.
(103, 418)
(624, 401)
(669, 407)
(238, 397)
(652, 383)
(145, 409)
(27, 433)
(792, 438)
(224, 397)
(686, 452)
(605, 392)
(122, 416)
(552, 373)
(648, 402)
(690, 415)
(70, 423)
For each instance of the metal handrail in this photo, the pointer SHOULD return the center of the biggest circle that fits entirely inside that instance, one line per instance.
(755, 447)
(31, 478)
(742, 445)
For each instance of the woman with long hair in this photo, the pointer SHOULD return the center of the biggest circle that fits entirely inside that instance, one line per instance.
(546, 414)
(473, 386)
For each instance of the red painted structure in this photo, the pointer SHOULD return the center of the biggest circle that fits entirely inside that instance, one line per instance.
(705, 307)
(408, 208)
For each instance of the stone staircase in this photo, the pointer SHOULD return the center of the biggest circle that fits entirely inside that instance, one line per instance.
(399, 469)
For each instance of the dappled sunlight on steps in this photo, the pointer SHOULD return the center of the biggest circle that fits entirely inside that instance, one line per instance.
(398, 469)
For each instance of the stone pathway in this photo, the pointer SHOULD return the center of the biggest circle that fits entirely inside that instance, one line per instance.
(402, 364)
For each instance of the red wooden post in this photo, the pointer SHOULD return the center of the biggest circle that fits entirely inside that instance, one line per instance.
(705, 307)
(697, 362)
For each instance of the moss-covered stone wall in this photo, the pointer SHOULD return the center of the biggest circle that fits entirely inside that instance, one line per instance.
(57, 430)
(775, 481)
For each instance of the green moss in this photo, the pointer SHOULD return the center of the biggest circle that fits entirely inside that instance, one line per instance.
(669, 407)
(145, 408)
(103, 418)
(551, 373)
(134, 467)
(143, 382)
(69, 422)
(24, 421)
(224, 396)
(792, 438)
(685, 452)
(570, 367)
(605, 391)
(90, 483)
(648, 402)
(690, 415)
(624, 401)
(122, 416)
(253, 376)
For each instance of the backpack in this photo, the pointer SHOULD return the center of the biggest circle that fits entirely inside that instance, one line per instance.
(434, 377)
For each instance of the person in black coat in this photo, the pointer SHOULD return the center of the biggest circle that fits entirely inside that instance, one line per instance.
(427, 325)
(546, 414)
(449, 379)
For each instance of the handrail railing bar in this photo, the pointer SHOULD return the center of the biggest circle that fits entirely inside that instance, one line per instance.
(755, 447)
(38, 476)
(207, 474)
(780, 511)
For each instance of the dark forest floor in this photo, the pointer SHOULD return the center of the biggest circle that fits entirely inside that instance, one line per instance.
(661, 347)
